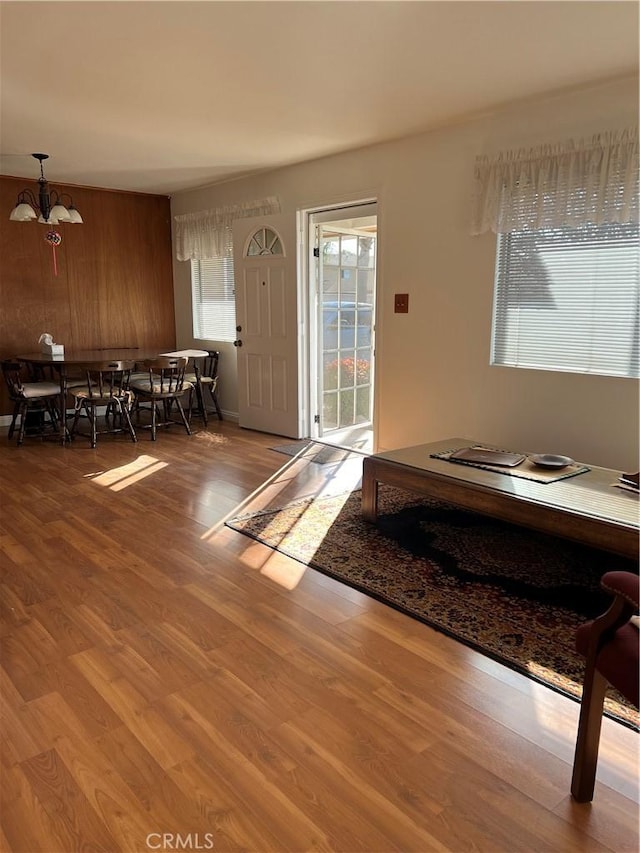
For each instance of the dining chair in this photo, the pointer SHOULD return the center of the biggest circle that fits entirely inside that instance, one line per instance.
(205, 376)
(106, 385)
(41, 397)
(70, 377)
(164, 382)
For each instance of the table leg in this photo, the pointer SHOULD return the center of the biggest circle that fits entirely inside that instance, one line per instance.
(369, 491)
(62, 414)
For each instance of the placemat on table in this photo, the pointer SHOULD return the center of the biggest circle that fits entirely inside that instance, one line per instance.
(525, 471)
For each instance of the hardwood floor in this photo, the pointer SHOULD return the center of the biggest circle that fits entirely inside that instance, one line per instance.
(168, 683)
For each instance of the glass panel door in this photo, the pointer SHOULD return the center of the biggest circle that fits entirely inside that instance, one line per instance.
(346, 255)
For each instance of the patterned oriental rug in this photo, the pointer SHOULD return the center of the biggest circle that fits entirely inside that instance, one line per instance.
(512, 594)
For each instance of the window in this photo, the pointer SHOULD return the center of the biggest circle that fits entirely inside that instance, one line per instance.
(567, 283)
(264, 241)
(213, 299)
(567, 299)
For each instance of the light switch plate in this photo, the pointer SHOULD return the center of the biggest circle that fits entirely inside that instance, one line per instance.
(401, 303)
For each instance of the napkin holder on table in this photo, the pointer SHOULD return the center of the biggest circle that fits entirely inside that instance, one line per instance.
(48, 347)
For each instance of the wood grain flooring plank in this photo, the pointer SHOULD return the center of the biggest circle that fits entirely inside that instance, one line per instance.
(95, 775)
(205, 628)
(613, 823)
(13, 550)
(93, 625)
(325, 647)
(13, 611)
(326, 602)
(17, 738)
(132, 708)
(480, 808)
(28, 587)
(252, 735)
(143, 600)
(25, 822)
(25, 652)
(283, 818)
(288, 690)
(186, 649)
(61, 678)
(77, 825)
(60, 622)
(524, 764)
(167, 806)
(235, 825)
(385, 816)
(170, 669)
(113, 801)
(112, 610)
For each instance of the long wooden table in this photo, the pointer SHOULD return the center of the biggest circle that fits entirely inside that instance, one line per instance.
(587, 508)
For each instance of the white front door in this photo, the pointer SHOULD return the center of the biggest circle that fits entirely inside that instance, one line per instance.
(264, 257)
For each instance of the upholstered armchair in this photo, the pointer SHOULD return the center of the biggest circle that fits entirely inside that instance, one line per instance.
(610, 644)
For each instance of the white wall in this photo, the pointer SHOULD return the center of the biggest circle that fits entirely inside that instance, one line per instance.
(433, 373)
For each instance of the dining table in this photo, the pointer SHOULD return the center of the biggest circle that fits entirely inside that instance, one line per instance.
(63, 364)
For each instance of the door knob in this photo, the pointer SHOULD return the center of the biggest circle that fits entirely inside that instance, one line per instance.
(237, 343)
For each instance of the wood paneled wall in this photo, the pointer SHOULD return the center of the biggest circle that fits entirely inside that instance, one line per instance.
(114, 286)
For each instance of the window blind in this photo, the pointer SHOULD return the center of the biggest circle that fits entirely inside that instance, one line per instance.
(567, 299)
(213, 299)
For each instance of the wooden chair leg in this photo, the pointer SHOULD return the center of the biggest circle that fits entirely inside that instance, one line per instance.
(190, 405)
(76, 419)
(23, 421)
(53, 413)
(214, 397)
(91, 414)
(182, 415)
(201, 404)
(124, 416)
(16, 412)
(588, 739)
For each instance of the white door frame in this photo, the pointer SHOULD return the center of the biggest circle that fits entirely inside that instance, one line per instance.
(308, 360)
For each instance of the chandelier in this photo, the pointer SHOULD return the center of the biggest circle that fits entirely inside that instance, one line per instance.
(48, 207)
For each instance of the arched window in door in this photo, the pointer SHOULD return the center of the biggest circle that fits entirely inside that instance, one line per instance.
(264, 241)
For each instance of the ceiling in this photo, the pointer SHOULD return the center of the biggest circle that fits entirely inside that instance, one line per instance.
(163, 96)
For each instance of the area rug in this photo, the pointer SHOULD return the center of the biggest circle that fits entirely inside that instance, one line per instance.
(512, 594)
(313, 451)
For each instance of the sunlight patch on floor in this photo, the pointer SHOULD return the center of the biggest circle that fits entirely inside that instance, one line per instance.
(287, 572)
(119, 478)
(286, 575)
(274, 485)
(283, 570)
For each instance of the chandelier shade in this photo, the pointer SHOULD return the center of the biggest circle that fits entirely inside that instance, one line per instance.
(48, 208)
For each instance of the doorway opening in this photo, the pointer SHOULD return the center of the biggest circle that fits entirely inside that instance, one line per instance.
(342, 245)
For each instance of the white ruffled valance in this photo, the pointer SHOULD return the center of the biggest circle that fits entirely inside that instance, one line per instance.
(571, 184)
(207, 234)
